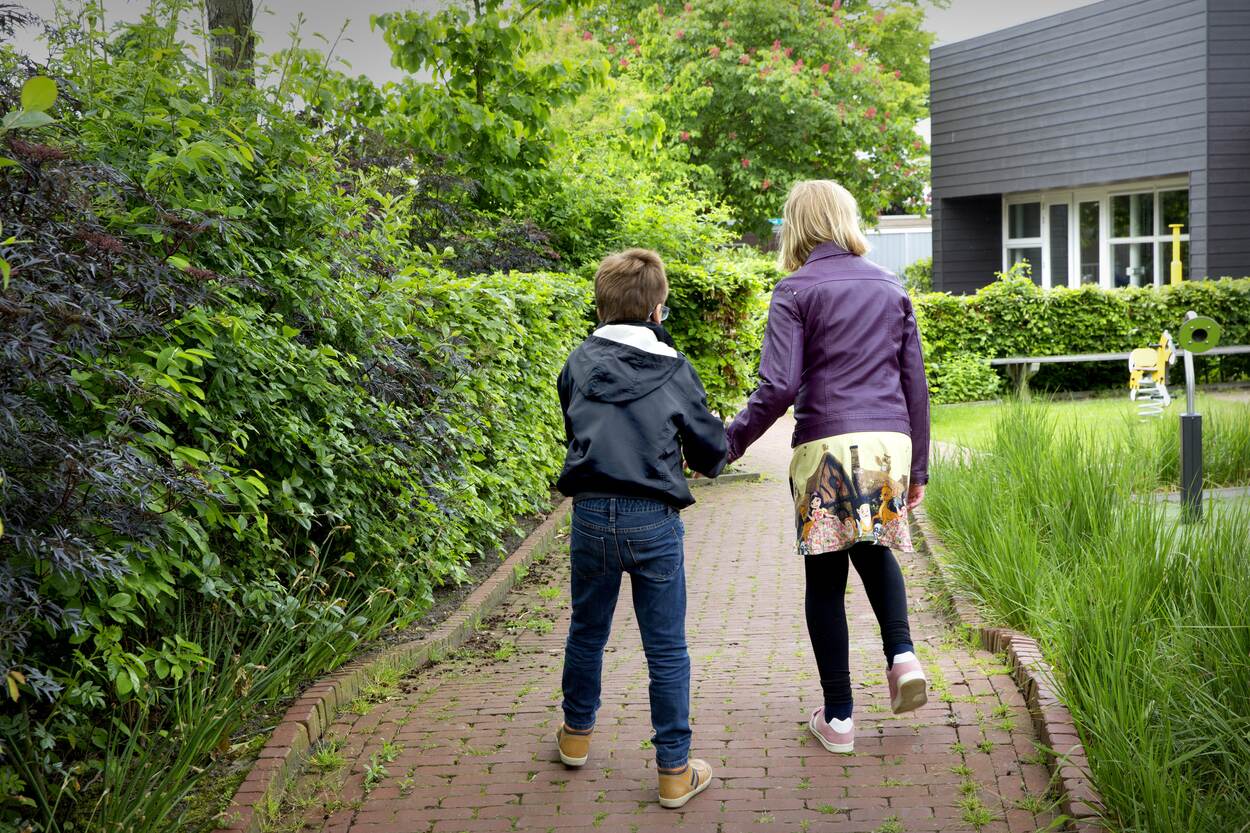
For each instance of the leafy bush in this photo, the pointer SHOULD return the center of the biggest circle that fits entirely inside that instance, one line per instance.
(482, 104)
(1015, 317)
(614, 186)
(612, 183)
(719, 309)
(918, 276)
(962, 378)
(244, 422)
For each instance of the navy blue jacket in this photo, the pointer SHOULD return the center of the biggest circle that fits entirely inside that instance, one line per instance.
(633, 408)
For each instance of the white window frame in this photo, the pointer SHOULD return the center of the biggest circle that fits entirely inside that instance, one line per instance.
(1160, 242)
(1073, 198)
(1010, 243)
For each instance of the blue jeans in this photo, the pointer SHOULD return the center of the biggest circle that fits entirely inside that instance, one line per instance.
(641, 537)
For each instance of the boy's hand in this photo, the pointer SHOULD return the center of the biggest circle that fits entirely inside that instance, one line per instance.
(915, 494)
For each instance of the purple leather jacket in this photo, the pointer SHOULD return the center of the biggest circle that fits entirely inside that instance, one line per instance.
(841, 346)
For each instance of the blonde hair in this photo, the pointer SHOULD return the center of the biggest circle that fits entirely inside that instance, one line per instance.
(818, 211)
(629, 285)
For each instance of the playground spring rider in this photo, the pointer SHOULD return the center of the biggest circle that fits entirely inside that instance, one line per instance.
(1148, 376)
(1197, 335)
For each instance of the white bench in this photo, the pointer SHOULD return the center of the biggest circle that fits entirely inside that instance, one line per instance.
(1021, 368)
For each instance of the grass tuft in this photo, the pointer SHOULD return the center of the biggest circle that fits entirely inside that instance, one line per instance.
(1145, 619)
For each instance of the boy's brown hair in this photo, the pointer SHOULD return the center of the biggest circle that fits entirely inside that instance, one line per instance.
(629, 285)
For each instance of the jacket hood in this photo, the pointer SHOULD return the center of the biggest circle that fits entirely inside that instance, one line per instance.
(622, 362)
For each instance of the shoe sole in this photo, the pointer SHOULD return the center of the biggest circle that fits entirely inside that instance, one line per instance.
(569, 760)
(912, 693)
(839, 748)
(675, 803)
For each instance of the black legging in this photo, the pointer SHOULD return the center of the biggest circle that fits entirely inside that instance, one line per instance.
(826, 614)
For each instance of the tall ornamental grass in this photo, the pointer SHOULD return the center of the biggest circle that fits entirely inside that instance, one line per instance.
(1146, 619)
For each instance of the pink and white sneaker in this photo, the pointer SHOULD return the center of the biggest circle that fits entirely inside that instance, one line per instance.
(908, 686)
(836, 739)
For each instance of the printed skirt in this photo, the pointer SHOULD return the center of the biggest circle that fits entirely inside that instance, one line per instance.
(851, 488)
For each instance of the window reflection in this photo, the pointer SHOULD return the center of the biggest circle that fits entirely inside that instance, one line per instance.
(1132, 264)
(1024, 220)
(1173, 208)
(1032, 256)
(1132, 215)
(1136, 238)
(1087, 218)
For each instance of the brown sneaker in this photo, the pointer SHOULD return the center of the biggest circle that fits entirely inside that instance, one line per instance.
(676, 788)
(574, 745)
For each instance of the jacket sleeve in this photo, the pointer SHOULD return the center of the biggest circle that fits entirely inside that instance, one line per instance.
(564, 385)
(702, 435)
(780, 368)
(916, 392)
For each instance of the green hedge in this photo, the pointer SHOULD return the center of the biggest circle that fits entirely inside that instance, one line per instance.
(719, 310)
(249, 415)
(245, 424)
(1015, 317)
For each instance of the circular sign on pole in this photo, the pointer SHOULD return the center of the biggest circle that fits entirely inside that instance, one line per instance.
(1198, 334)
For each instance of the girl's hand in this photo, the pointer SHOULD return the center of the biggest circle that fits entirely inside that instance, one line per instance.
(915, 494)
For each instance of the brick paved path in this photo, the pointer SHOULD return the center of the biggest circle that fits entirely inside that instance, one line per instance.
(468, 745)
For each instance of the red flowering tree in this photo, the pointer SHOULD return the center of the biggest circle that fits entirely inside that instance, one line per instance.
(761, 93)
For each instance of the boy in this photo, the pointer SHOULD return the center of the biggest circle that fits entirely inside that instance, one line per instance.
(632, 407)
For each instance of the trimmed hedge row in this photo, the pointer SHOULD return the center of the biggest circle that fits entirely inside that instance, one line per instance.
(250, 417)
(1015, 317)
(244, 426)
(719, 310)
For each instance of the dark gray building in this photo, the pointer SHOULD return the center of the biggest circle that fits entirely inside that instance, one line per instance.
(1074, 141)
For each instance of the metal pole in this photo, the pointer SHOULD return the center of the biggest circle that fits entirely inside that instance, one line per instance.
(1191, 446)
(1189, 382)
(1176, 271)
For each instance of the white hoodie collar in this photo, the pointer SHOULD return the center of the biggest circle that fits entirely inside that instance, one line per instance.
(633, 335)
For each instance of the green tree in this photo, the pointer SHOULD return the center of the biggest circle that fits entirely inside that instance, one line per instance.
(765, 92)
(612, 180)
(491, 96)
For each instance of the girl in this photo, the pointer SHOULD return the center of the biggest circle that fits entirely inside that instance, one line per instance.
(841, 346)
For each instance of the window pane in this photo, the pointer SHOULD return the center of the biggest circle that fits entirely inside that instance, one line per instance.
(1058, 245)
(1132, 264)
(1173, 208)
(1024, 220)
(1031, 256)
(1132, 215)
(1087, 218)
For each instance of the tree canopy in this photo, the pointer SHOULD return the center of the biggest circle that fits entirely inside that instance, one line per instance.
(761, 93)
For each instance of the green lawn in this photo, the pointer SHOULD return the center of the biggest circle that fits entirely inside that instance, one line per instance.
(973, 424)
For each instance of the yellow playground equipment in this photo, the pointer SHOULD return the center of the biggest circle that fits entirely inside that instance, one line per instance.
(1148, 376)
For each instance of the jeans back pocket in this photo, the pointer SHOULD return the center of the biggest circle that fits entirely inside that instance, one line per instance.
(657, 553)
(588, 553)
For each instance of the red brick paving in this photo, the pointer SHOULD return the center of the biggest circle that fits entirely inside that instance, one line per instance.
(470, 742)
